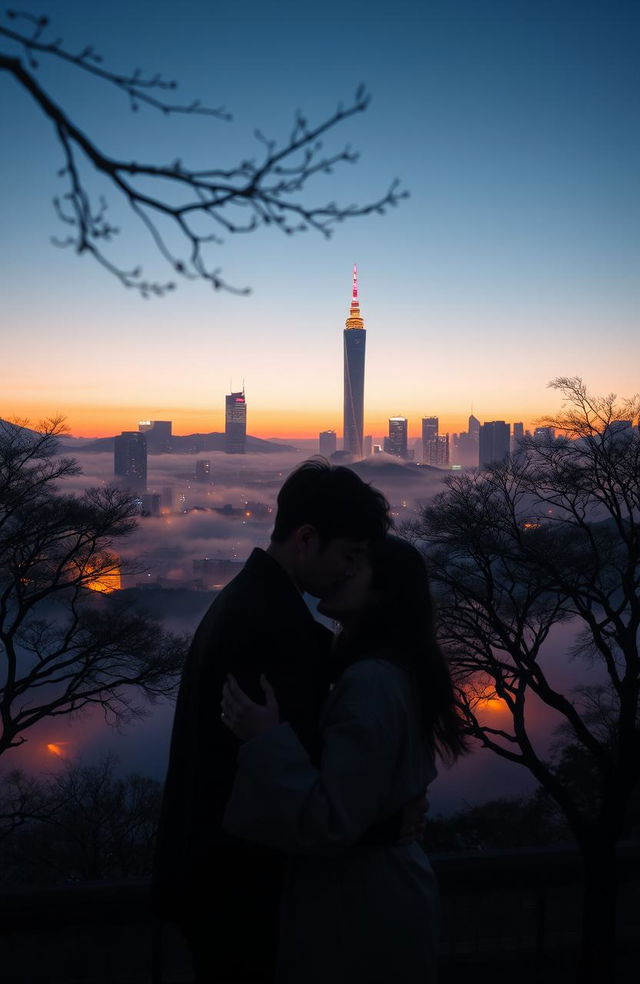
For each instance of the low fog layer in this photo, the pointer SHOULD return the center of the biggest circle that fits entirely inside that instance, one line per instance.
(209, 520)
(224, 517)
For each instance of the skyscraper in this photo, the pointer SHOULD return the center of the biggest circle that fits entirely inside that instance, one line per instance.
(396, 442)
(466, 450)
(157, 433)
(327, 443)
(517, 436)
(466, 444)
(545, 433)
(130, 460)
(355, 338)
(439, 451)
(235, 423)
(430, 427)
(494, 442)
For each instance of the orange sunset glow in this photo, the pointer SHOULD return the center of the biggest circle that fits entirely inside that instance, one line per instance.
(494, 704)
(106, 582)
(55, 748)
(484, 698)
(303, 423)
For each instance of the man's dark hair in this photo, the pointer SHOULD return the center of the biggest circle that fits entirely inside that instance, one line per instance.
(334, 500)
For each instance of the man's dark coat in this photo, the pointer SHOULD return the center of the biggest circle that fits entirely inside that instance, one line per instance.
(258, 624)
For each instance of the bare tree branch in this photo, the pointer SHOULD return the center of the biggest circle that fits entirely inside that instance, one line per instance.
(257, 192)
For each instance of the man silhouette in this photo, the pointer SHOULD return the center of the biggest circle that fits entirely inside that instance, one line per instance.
(221, 891)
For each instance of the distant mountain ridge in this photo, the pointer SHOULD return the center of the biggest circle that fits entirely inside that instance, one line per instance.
(9, 426)
(190, 443)
(180, 444)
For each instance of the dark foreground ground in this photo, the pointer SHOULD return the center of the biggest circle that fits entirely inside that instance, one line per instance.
(508, 916)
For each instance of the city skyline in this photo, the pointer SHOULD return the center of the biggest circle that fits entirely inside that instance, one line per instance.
(351, 436)
(513, 261)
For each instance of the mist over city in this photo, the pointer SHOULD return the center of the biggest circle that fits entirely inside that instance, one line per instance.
(199, 517)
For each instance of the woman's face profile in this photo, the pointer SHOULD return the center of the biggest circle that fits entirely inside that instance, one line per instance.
(352, 596)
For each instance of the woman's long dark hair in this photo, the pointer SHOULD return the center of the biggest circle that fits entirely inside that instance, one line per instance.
(400, 626)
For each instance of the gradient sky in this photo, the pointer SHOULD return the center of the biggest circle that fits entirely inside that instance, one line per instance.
(514, 127)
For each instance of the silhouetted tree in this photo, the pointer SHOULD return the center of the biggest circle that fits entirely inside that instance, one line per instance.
(184, 209)
(84, 823)
(63, 646)
(22, 799)
(551, 535)
(516, 822)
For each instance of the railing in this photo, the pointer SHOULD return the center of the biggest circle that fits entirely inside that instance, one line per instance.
(507, 906)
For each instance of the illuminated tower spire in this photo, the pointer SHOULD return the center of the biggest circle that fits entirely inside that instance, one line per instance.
(355, 319)
(354, 349)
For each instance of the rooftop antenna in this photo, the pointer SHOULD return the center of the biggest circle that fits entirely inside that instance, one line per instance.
(355, 302)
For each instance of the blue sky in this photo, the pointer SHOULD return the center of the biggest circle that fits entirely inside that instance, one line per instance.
(515, 259)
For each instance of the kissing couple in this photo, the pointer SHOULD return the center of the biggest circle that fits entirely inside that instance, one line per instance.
(289, 846)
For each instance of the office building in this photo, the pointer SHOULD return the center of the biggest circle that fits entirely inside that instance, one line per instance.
(396, 442)
(130, 460)
(544, 433)
(469, 444)
(465, 450)
(464, 447)
(157, 433)
(235, 423)
(328, 443)
(439, 451)
(517, 436)
(367, 447)
(429, 433)
(355, 338)
(494, 442)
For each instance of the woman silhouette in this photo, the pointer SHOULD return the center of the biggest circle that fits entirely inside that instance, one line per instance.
(354, 914)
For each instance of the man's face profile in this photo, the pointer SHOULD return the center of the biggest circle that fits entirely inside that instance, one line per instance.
(324, 565)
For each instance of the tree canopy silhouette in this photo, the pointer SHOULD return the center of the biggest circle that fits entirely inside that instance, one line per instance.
(185, 210)
(553, 535)
(67, 642)
(81, 823)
